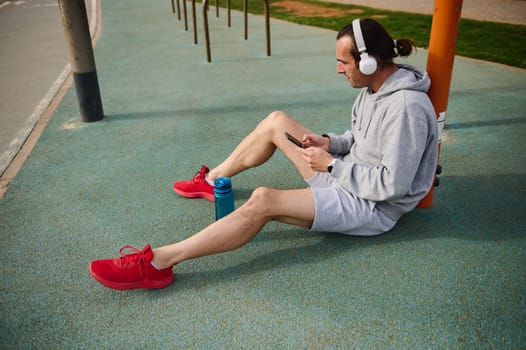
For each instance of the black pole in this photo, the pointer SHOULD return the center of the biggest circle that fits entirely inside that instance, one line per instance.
(76, 28)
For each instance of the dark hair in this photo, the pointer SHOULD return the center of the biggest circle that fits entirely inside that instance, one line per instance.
(378, 42)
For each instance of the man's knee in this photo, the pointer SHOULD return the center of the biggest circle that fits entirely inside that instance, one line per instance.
(278, 117)
(260, 201)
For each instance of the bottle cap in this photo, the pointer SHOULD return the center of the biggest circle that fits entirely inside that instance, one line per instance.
(222, 185)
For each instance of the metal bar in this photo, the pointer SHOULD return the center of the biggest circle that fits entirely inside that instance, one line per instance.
(267, 26)
(207, 34)
(229, 20)
(185, 16)
(245, 10)
(178, 11)
(194, 22)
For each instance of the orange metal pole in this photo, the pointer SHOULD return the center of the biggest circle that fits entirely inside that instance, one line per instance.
(441, 54)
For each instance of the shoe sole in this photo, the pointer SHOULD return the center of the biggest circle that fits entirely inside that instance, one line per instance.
(204, 195)
(146, 284)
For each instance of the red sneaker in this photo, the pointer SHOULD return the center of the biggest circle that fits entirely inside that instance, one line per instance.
(131, 271)
(197, 187)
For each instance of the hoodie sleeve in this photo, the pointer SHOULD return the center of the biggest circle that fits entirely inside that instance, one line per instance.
(401, 143)
(341, 144)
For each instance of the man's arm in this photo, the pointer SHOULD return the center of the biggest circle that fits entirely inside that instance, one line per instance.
(340, 144)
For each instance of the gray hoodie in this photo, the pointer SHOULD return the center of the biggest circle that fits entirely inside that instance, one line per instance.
(390, 154)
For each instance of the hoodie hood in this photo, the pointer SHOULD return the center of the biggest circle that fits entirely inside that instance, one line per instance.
(405, 78)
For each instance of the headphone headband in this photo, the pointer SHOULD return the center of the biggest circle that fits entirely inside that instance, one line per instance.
(358, 36)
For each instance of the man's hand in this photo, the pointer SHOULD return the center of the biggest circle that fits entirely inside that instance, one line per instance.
(317, 157)
(313, 140)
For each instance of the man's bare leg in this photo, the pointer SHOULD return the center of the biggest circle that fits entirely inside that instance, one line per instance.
(289, 206)
(258, 146)
(233, 231)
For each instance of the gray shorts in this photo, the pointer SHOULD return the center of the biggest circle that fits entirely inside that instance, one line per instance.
(338, 210)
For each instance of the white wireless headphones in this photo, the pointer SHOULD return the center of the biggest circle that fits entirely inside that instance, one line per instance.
(367, 63)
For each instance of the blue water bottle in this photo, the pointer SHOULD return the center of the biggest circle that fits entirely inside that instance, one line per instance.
(223, 197)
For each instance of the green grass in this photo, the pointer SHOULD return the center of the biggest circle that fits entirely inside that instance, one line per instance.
(490, 41)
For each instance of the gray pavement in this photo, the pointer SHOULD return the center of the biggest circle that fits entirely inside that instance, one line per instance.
(34, 65)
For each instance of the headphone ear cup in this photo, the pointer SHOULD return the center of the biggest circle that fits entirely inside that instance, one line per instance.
(367, 64)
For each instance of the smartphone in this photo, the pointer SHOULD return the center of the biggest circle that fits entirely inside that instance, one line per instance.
(294, 140)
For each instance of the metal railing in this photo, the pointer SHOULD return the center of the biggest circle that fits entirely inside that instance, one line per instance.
(205, 9)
